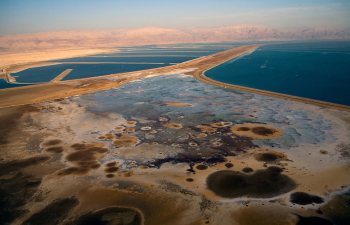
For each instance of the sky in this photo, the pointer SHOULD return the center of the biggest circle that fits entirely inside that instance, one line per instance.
(32, 16)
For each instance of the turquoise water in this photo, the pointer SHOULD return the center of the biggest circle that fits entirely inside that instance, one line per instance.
(318, 70)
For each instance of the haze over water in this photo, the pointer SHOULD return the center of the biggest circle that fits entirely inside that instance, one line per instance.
(316, 70)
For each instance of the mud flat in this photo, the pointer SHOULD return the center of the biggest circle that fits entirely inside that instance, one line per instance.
(123, 156)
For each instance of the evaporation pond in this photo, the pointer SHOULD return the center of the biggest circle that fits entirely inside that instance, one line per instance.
(150, 59)
(47, 73)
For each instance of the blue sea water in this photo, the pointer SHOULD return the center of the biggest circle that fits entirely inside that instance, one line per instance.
(316, 70)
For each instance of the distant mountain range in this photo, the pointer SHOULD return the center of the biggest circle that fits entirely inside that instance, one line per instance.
(153, 35)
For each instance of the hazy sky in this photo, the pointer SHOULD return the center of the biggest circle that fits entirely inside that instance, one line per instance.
(30, 16)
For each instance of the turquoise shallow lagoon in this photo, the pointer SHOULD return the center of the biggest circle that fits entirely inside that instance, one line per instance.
(317, 70)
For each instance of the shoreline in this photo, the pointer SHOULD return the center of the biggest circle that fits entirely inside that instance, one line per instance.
(196, 67)
(204, 79)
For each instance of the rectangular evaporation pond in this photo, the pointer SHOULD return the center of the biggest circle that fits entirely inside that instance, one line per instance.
(160, 54)
(40, 74)
(4, 84)
(128, 59)
(177, 49)
(93, 70)
(193, 49)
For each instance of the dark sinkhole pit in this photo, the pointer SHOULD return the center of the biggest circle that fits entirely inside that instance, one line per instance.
(110, 215)
(265, 183)
(201, 167)
(302, 198)
(263, 131)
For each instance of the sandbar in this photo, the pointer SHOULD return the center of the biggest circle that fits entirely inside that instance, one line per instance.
(62, 75)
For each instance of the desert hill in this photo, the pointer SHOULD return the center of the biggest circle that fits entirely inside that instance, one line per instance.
(153, 35)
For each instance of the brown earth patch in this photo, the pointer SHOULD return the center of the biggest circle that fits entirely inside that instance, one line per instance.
(126, 141)
(129, 129)
(53, 213)
(85, 159)
(112, 169)
(131, 123)
(262, 215)
(173, 125)
(23, 163)
(177, 104)
(51, 142)
(128, 173)
(79, 146)
(55, 150)
(221, 124)
(270, 156)
(111, 164)
(201, 135)
(73, 171)
(110, 175)
(207, 129)
(257, 131)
